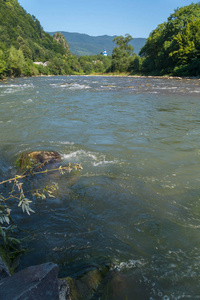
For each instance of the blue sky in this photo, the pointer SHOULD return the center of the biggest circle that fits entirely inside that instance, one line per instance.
(111, 17)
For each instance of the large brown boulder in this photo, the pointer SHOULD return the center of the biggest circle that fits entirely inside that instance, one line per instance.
(31, 159)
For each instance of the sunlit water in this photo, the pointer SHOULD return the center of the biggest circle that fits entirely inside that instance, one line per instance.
(136, 204)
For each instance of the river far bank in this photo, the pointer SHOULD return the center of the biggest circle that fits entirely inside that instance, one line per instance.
(128, 75)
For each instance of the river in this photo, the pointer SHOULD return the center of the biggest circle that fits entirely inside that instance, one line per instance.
(136, 203)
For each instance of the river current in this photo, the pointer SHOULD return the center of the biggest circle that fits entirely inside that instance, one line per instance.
(135, 206)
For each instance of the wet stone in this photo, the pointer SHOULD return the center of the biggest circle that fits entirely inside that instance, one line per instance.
(35, 157)
(37, 282)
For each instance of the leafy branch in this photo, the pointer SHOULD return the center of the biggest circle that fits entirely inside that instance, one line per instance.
(18, 192)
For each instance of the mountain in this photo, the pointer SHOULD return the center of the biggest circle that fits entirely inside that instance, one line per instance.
(84, 44)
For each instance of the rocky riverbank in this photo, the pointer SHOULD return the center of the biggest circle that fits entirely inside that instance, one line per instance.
(41, 282)
(35, 282)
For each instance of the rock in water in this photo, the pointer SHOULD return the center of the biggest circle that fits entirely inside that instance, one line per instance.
(35, 157)
(37, 282)
(85, 287)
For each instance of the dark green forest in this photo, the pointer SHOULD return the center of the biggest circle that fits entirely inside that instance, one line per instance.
(173, 48)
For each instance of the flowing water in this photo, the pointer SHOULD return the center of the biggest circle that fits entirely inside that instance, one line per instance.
(136, 204)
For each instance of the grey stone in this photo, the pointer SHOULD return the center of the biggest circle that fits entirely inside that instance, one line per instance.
(37, 282)
(4, 272)
(63, 289)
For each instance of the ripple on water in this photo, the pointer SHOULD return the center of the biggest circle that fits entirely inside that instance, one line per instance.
(136, 201)
(14, 88)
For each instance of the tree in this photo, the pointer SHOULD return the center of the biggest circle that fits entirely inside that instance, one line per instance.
(175, 43)
(2, 63)
(122, 53)
(16, 62)
(186, 43)
(135, 64)
(38, 27)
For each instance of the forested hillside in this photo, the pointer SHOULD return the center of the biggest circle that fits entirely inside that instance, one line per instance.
(84, 44)
(23, 41)
(24, 32)
(174, 46)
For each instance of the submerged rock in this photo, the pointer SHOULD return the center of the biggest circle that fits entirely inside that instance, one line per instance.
(37, 282)
(85, 287)
(116, 287)
(31, 159)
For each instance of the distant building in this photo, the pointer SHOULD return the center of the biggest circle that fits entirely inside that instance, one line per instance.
(41, 63)
(105, 53)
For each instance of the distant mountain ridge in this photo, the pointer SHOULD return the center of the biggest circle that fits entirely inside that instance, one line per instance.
(84, 44)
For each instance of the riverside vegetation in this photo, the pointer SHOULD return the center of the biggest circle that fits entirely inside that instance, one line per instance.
(173, 48)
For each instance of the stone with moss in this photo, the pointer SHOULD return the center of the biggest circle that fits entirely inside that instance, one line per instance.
(11, 260)
(85, 287)
(31, 159)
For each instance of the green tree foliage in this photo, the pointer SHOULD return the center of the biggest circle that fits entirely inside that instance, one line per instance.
(135, 64)
(174, 46)
(94, 63)
(2, 63)
(16, 62)
(122, 53)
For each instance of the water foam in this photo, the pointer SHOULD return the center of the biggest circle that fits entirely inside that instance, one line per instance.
(12, 88)
(71, 86)
(95, 159)
(79, 154)
(62, 142)
(28, 101)
(130, 264)
(102, 162)
(194, 91)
